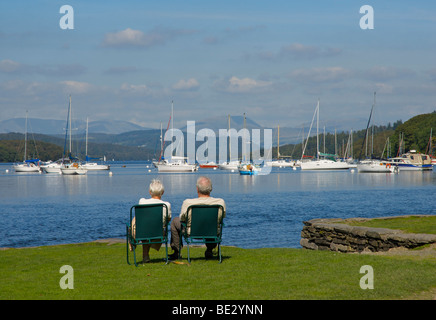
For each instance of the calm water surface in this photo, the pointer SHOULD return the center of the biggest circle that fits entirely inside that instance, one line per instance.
(262, 211)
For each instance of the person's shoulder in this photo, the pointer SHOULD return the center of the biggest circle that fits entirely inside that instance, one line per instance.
(151, 200)
(190, 201)
(208, 200)
(217, 199)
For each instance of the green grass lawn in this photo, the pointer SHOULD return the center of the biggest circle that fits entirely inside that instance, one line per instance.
(101, 272)
(409, 224)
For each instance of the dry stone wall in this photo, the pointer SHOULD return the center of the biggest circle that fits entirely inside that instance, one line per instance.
(335, 235)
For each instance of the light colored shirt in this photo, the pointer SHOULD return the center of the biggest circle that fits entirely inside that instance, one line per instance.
(186, 217)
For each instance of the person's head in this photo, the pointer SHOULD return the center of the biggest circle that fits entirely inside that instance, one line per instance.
(156, 188)
(204, 186)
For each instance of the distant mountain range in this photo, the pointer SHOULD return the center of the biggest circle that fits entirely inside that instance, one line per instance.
(127, 133)
(142, 143)
(54, 127)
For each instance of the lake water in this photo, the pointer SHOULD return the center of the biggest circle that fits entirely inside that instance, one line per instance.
(262, 211)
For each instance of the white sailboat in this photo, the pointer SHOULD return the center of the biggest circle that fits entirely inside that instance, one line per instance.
(92, 165)
(27, 165)
(155, 163)
(373, 165)
(320, 163)
(246, 168)
(53, 167)
(175, 163)
(279, 162)
(231, 164)
(71, 168)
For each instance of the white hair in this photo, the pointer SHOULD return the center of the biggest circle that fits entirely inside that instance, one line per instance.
(204, 185)
(156, 188)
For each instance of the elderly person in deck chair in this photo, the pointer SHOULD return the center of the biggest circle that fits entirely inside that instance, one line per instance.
(156, 190)
(204, 188)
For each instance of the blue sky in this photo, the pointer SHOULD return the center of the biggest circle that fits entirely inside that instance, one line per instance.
(126, 60)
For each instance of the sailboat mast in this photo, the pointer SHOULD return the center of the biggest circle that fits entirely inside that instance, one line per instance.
(310, 129)
(70, 125)
(372, 135)
(278, 142)
(25, 138)
(365, 138)
(86, 144)
(317, 135)
(324, 139)
(230, 141)
(244, 150)
(161, 142)
(172, 119)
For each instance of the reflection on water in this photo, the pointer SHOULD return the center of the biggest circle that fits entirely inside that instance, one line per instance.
(39, 209)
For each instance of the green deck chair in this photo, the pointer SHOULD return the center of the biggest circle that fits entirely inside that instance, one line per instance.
(205, 227)
(150, 227)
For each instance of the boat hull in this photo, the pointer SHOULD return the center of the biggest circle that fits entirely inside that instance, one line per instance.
(376, 167)
(411, 167)
(248, 170)
(69, 172)
(280, 164)
(73, 169)
(324, 165)
(94, 166)
(52, 169)
(176, 168)
(26, 168)
(228, 166)
(208, 166)
(248, 173)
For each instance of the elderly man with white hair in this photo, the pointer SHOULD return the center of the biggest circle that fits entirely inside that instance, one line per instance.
(156, 190)
(204, 188)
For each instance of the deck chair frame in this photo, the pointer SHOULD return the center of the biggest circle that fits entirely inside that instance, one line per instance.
(204, 227)
(150, 227)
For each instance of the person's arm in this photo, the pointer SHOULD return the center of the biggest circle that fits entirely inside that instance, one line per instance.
(183, 213)
(224, 208)
(169, 212)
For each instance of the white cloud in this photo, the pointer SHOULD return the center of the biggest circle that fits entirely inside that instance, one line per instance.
(130, 37)
(136, 88)
(14, 67)
(382, 73)
(8, 66)
(75, 87)
(299, 51)
(136, 38)
(237, 85)
(327, 74)
(190, 84)
(384, 88)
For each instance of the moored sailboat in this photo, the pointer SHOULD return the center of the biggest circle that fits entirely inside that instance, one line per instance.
(69, 167)
(88, 165)
(372, 165)
(322, 162)
(231, 164)
(28, 165)
(175, 163)
(279, 162)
